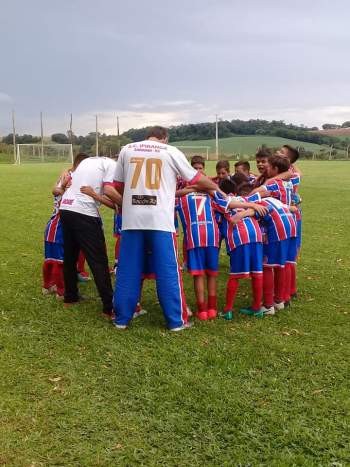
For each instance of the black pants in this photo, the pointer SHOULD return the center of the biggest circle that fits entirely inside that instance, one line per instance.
(85, 233)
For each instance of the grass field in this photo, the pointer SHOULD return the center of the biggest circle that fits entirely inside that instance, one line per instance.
(270, 392)
(247, 145)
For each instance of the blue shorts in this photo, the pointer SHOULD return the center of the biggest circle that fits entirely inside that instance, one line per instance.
(54, 251)
(298, 234)
(292, 250)
(203, 261)
(246, 260)
(276, 253)
(117, 228)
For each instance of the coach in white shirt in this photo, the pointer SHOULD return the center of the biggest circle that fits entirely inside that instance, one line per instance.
(146, 175)
(82, 229)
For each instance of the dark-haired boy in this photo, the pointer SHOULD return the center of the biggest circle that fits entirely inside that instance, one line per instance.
(261, 158)
(275, 186)
(222, 171)
(244, 168)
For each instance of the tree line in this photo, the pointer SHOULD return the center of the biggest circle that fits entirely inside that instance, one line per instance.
(111, 144)
(227, 128)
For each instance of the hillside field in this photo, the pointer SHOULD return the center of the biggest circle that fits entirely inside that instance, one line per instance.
(247, 145)
(268, 392)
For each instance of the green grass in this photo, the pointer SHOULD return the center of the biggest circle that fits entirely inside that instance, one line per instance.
(271, 392)
(247, 145)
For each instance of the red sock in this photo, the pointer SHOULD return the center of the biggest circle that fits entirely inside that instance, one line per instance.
(201, 306)
(287, 282)
(48, 280)
(275, 283)
(231, 290)
(184, 252)
(268, 286)
(59, 281)
(280, 284)
(293, 279)
(81, 263)
(257, 287)
(212, 302)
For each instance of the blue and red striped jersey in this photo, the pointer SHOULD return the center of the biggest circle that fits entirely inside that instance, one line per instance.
(279, 223)
(280, 189)
(197, 215)
(246, 231)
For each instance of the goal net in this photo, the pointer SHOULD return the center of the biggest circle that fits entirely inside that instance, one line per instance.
(190, 151)
(44, 153)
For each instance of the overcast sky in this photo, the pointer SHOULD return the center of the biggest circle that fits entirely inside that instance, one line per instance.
(172, 61)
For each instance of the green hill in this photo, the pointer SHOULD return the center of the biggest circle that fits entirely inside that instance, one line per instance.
(247, 145)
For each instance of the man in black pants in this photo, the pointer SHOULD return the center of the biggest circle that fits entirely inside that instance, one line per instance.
(82, 229)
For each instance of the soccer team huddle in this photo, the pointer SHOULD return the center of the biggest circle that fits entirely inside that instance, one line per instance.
(151, 188)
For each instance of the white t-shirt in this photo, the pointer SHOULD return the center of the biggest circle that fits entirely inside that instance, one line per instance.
(95, 172)
(148, 170)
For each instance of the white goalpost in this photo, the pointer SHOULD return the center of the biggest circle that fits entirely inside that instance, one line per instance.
(44, 153)
(189, 151)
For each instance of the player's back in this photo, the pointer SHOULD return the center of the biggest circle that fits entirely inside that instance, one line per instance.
(94, 172)
(246, 231)
(198, 220)
(279, 221)
(281, 190)
(149, 171)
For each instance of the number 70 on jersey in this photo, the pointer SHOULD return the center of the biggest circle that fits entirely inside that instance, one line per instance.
(153, 172)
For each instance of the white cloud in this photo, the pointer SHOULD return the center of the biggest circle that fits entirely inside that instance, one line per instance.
(5, 97)
(139, 117)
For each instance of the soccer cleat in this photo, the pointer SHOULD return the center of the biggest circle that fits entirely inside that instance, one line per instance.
(139, 312)
(120, 327)
(228, 315)
(212, 314)
(268, 310)
(279, 306)
(110, 315)
(83, 277)
(49, 290)
(182, 328)
(250, 312)
(202, 315)
(81, 298)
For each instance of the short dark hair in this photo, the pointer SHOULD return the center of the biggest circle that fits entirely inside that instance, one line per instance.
(244, 189)
(244, 164)
(197, 159)
(78, 158)
(239, 178)
(279, 162)
(158, 132)
(223, 165)
(293, 154)
(228, 186)
(263, 153)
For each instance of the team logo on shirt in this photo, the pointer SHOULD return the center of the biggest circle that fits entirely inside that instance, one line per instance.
(144, 200)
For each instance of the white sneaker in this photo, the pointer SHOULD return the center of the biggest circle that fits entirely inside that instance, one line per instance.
(270, 311)
(181, 328)
(139, 313)
(50, 290)
(121, 327)
(279, 306)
